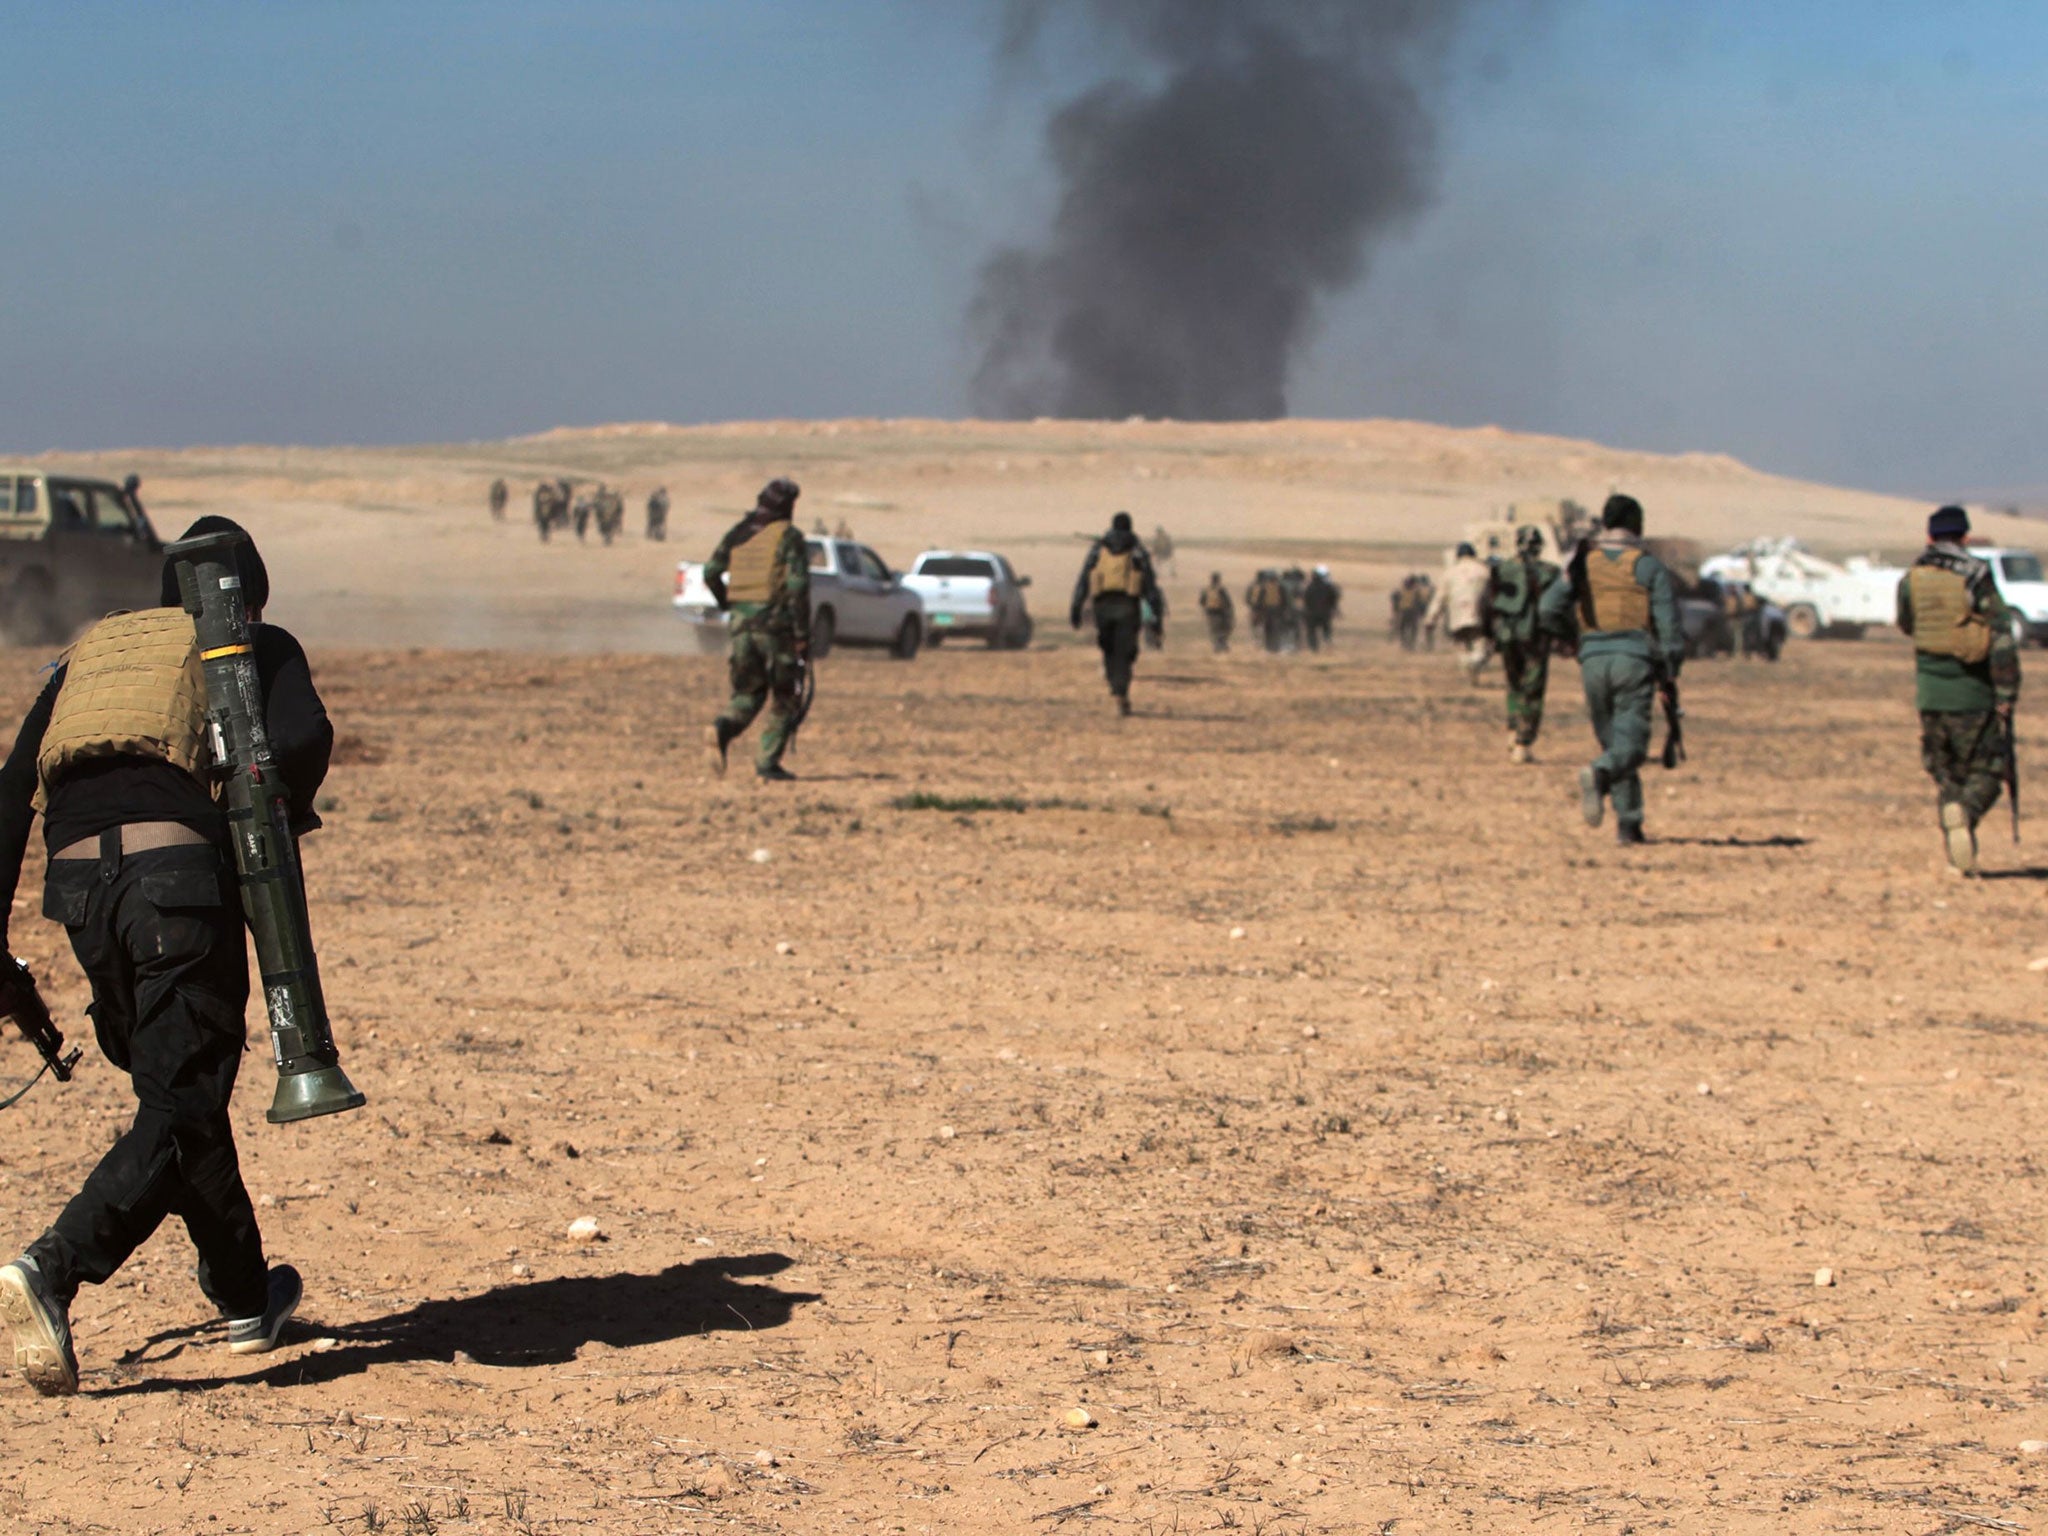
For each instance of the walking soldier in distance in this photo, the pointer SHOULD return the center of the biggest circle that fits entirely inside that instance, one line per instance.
(760, 574)
(1631, 641)
(1219, 611)
(1117, 581)
(1966, 667)
(1518, 588)
(115, 755)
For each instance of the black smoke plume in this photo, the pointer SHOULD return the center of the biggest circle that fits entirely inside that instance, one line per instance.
(1239, 173)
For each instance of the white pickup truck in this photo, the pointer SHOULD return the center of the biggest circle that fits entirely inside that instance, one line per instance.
(972, 594)
(855, 600)
(1819, 597)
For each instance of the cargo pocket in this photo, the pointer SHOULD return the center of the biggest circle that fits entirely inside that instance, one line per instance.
(66, 892)
(170, 889)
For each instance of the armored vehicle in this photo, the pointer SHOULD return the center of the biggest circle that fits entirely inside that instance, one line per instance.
(72, 549)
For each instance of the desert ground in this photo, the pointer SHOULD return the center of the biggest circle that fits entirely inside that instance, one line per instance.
(1273, 1112)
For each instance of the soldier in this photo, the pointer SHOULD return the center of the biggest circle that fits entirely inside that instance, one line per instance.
(844, 530)
(657, 514)
(1460, 606)
(1220, 611)
(1319, 603)
(584, 509)
(1266, 601)
(1627, 604)
(1967, 679)
(760, 574)
(114, 755)
(500, 494)
(1162, 548)
(1512, 603)
(544, 508)
(1117, 579)
(609, 508)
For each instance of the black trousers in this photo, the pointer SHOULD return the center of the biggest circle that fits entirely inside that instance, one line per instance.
(1118, 623)
(159, 934)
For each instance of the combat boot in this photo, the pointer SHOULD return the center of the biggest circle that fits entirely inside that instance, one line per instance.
(1629, 833)
(1960, 833)
(1593, 794)
(717, 737)
(775, 773)
(1123, 704)
(1518, 749)
(41, 1325)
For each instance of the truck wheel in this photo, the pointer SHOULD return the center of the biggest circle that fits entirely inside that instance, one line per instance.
(823, 627)
(908, 638)
(1802, 621)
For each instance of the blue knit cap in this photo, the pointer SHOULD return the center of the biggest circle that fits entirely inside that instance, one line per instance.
(1948, 525)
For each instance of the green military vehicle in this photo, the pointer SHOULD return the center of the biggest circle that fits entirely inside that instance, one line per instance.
(72, 549)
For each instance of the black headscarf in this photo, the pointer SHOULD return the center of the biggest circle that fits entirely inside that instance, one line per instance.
(248, 564)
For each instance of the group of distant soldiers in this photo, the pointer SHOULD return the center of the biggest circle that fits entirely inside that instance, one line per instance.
(1287, 609)
(557, 504)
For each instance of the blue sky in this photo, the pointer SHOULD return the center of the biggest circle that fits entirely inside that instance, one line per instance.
(1811, 235)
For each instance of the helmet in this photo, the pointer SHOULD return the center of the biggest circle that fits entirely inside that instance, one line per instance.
(1529, 540)
(1467, 552)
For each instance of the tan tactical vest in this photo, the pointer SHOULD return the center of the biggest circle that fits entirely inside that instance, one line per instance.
(1116, 573)
(754, 570)
(133, 687)
(1214, 599)
(1618, 602)
(1945, 622)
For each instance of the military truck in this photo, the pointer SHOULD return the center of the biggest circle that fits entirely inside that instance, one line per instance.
(1562, 524)
(72, 549)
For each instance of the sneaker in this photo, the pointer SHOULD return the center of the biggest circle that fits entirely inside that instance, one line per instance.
(41, 1327)
(258, 1335)
(1629, 833)
(1592, 794)
(1518, 752)
(775, 773)
(715, 743)
(1960, 836)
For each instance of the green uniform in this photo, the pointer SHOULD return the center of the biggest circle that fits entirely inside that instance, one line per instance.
(1518, 588)
(1959, 692)
(1627, 642)
(770, 620)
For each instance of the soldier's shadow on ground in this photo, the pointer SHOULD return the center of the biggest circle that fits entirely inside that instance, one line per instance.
(1777, 840)
(544, 1322)
(2027, 872)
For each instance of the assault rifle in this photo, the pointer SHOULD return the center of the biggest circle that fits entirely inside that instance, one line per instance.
(21, 1003)
(2012, 772)
(1674, 720)
(806, 693)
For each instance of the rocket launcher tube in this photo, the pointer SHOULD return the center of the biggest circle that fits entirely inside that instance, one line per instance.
(310, 1081)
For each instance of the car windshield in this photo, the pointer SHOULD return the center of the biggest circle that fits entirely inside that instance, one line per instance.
(2022, 567)
(820, 560)
(954, 565)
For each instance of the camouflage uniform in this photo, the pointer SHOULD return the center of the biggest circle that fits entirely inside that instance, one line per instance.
(1965, 702)
(770, 634)
(1518, 588)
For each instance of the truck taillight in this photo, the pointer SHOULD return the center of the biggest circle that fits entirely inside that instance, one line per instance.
(681, 581)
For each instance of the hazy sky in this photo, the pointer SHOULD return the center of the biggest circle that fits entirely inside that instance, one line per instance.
(1812, 235)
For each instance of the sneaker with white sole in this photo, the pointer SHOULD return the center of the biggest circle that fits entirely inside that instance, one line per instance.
(258, 1335)
(41, 1326)
(1960, 836)
(1593, 794)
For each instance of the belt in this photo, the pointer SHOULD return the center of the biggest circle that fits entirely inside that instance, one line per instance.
(136, 837)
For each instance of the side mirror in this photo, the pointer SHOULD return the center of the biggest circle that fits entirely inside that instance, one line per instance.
(1023, 581)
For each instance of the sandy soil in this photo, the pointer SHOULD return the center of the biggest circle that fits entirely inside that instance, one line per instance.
(1290, 1084)
(392, 546)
